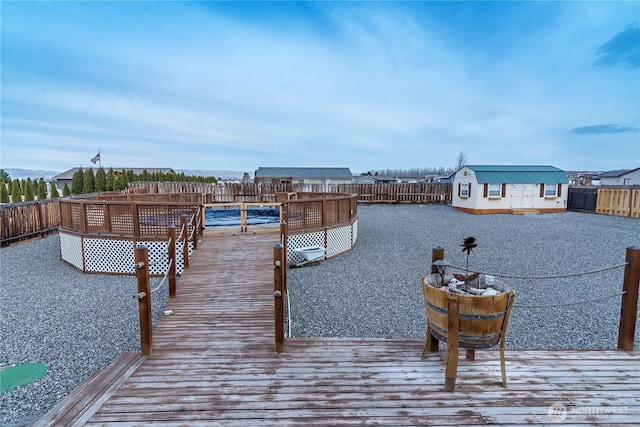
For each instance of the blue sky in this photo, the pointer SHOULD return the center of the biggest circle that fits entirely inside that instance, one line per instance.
(364, 85)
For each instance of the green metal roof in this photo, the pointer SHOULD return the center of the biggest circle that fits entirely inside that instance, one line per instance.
(517, 174)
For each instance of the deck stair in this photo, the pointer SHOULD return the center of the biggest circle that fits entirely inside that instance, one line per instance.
(86, 399)
(524, 211)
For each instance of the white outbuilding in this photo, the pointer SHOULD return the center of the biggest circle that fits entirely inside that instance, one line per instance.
(491, 189)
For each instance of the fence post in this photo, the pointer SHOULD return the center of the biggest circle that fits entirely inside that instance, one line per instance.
(171, 256)
(278, 293)
(144, 298)
(437, 253)
(629, 304)
(185, 240)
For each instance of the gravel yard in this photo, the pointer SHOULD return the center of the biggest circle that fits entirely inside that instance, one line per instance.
(73, 322)
(374, 290)
(78, 323)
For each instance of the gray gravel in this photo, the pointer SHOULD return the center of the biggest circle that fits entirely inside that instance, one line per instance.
(78, 323)
(73, 322)
(374, 290)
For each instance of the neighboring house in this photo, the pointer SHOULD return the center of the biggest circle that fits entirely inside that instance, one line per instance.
(484, 189)
(67, 177)
(365, 179)
(325, 176)
(621, 177)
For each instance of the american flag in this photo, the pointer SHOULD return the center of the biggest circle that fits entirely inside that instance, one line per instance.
(96, 158)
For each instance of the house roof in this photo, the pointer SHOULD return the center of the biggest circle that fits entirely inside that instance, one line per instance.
(518, 174)
(301, 173)
(617, 173)
(69, 174)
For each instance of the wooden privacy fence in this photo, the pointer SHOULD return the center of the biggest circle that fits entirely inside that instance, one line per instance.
(621, 201)
(263, 192)
(582, 199)
(20, 221)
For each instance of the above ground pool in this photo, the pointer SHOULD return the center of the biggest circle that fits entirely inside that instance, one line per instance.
(218, 217)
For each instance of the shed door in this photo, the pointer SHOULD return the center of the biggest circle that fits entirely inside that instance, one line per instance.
(522, 195)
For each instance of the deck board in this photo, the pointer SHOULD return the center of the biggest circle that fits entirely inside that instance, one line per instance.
(214, 363)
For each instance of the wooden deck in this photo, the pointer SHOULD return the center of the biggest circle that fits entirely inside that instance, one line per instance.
(214, 364)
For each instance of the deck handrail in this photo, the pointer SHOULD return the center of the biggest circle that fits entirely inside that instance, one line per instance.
(144, 285)
(629, 294)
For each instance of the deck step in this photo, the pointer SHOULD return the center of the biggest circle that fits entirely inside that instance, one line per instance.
(86, 399)
(524, 211)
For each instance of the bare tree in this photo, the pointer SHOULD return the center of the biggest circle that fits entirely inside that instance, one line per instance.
(461, 160)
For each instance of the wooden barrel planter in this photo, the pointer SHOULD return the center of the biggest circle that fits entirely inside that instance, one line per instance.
(465, 321)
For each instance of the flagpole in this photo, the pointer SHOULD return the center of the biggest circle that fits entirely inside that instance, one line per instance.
(99, 158)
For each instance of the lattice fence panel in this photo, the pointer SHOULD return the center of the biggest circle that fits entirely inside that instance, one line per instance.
(109, 256)
(304, 215)
(95, 217)
(154, 220)
(158, 262)
(355, 232)
(121, 219)
(179, 260)
(338, 240)
(76, 223)
(300, 241)
(71, 249)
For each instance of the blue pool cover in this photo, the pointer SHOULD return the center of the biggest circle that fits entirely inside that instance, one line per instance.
(231, 216)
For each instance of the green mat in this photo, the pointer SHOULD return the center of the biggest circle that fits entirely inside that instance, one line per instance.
(19, 375)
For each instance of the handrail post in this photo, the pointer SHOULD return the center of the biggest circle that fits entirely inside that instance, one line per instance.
(144, 298)
(202, 218)
(185, 240)
(171, 256)
(283, 237)
(279, 296)
(437, 253)
(629, 304)
(194, 227)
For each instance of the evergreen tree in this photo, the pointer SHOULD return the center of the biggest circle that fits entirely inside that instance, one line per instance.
(4, 193)
(54, 191)
(88, 182)
(101, 180)
(16, 193)
(65, 190)
(77, 181)
(118, 183)
(29, 196)
(111, 177)
(125, 178)
(4, 176)
(42, 189)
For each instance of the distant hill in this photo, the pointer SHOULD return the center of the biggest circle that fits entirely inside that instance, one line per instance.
(17, 173)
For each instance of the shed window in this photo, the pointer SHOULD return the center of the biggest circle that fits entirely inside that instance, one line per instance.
(494, 190)
(550, 190)
(463, 190)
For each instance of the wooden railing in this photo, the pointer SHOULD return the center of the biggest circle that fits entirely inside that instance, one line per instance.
(309, 211)
(144, 284)
(123, 218)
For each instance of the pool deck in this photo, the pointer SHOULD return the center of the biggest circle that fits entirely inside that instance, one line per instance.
(214, 364)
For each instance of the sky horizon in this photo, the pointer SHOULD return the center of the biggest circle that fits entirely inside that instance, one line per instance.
(365, 85)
